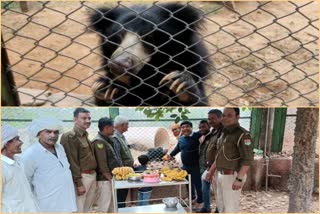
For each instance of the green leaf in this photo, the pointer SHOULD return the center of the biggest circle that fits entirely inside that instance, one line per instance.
(184, 117)
(173, 115)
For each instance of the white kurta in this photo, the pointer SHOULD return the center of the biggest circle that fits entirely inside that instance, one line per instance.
(50, 178)
(16, 193)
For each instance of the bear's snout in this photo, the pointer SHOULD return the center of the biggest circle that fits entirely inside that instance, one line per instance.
(121, 64)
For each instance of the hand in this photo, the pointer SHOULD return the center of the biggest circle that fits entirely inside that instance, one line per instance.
(236, 185)
(108, 176)
(209, 177)
(81, 190)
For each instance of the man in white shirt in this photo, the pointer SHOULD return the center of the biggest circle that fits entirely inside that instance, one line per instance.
(47, 168)
(16, 193)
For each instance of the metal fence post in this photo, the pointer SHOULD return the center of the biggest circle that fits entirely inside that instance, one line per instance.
(9, 96)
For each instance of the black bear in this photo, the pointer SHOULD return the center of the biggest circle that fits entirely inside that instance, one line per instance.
(152, 56)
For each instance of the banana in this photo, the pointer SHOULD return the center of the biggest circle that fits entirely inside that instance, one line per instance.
(122, 173)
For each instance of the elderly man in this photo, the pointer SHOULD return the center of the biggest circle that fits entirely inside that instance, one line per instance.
(47, 168)
(176, 130)
(233, 159)
(14, 200)
(81, 158)
(107, 160)
(121, 125)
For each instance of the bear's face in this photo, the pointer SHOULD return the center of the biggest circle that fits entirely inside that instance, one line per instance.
(131, 55)
(132, 37)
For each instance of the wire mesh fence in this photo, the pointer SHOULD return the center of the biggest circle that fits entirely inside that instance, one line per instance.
(142, 130)
(258, 54)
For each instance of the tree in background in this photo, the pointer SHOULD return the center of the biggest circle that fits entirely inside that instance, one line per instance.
(157, 113)
(301, 179)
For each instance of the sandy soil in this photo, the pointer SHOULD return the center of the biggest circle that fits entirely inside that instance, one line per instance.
(50, 48)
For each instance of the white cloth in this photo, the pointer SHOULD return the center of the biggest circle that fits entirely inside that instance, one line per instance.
(50, 178)
(204, 175)
(16, 193)
(38, 125)
(228, 200)
(7, 134)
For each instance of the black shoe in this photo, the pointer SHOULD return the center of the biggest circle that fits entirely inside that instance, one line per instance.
(203, 210)
(199, 202)
(216, 210)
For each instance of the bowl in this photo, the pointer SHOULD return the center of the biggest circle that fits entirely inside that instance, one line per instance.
(170, 202)
(135, 177)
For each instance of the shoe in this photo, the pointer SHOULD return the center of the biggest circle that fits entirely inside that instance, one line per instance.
(216, 210)
(200, 201)
(194, 201)
(203, 210)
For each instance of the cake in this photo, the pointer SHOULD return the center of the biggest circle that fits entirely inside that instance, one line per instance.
(151, 176)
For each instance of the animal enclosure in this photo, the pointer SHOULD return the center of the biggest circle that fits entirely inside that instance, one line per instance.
(261, 53)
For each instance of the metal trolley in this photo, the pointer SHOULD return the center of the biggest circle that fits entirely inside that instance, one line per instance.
(153, 208)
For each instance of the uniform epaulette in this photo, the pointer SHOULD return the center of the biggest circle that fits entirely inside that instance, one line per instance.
(244, 130)
(71, 133)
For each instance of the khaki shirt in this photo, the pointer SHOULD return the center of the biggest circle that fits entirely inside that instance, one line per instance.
(212, 147)
(235, 148)
(79, 153)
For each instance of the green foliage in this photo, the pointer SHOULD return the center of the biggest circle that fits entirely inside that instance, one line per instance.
(9, 5)
(177, 114)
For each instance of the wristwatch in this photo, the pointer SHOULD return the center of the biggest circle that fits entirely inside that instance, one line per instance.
(239, 179)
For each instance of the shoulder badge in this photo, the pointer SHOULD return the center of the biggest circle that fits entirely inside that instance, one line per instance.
(247, 139)
(100, 145)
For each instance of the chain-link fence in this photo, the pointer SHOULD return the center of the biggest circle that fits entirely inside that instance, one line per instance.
(142, 132)
(259, 53)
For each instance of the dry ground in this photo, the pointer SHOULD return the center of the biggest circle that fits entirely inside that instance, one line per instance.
(50, 48)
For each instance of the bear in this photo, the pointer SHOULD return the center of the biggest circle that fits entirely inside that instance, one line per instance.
(152, 55)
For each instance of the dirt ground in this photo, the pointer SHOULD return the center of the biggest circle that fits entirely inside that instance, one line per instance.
(256, 62)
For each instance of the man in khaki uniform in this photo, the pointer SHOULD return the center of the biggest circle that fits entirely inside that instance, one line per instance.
(214, 120)
(81, 158)
(107, 160)
(121, 125)
(233, 159)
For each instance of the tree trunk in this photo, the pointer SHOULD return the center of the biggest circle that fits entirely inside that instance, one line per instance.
(301, 179)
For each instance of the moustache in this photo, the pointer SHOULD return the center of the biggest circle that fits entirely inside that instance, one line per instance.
(53, 139)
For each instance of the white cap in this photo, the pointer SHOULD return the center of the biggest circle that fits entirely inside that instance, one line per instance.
(120, 120)
(39, 125)
(8, 133)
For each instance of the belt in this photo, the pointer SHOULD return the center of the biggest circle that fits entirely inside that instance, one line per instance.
(88, 172)
(226, 171)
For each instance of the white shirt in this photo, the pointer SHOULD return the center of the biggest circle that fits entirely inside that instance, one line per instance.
(16, 193)
(50, 178)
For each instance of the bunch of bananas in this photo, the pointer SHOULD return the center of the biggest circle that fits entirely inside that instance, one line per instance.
(173, 174)
(122, 173)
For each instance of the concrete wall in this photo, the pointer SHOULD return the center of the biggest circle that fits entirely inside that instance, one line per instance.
(277, 166)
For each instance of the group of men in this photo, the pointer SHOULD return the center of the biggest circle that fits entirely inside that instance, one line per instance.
(219, 155)
(72, 175)
(65, 177)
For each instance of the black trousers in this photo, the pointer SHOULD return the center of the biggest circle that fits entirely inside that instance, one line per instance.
(121, 197)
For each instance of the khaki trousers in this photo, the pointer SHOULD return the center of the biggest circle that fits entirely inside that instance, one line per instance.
(214, 184)
(85, 201)
(104, 194)
(228, 200)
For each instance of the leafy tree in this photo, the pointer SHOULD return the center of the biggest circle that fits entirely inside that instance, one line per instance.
(178, 114)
